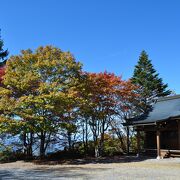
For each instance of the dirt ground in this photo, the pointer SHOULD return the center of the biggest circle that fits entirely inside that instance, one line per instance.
(119, 168)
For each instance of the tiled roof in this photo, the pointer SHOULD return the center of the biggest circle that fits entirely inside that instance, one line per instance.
(164, 109)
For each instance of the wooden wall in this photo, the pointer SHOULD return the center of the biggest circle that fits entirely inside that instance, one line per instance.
(169, 135)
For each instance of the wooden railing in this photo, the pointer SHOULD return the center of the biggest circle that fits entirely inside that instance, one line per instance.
(165, 153)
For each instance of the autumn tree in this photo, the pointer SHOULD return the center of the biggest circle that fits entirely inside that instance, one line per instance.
(149, 83)
(39, 88)
(104, 94)
(125, 108)
(2, 73)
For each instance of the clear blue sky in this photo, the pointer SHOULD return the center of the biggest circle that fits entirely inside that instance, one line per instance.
(102, 34)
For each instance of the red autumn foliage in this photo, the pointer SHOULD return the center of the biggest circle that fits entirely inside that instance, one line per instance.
(2, 73)
(109, 92)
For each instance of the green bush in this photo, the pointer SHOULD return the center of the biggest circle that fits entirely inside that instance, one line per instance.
(7, 155)
(112, 147)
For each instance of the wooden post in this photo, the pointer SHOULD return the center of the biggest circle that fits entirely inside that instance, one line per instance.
(127, 140)
(138, 143)
(158, 144)
(179, 134)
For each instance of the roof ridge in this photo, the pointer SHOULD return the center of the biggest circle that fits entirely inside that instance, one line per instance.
(169, 98)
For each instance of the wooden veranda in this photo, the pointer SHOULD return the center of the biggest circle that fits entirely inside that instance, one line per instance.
(161, 138)
(159, 130)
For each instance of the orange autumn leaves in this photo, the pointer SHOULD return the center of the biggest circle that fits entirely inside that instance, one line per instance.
(2, 72)
(107, 92)
(46, 91)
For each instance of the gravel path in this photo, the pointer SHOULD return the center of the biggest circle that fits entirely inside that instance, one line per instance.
(140, 169)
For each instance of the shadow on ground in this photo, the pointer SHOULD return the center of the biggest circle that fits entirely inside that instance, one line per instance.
(47, 173)
(102, 160)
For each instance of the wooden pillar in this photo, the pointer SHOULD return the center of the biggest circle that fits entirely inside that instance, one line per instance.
(127, 140)
(179, 134)
(145, 139)
(158, 144)
(138, 143)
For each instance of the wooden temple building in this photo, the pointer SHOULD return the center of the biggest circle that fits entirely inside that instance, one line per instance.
(160, 128)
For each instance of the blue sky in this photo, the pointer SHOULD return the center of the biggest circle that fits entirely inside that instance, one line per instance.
(102, 34)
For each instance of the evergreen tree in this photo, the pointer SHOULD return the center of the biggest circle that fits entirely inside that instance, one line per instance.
(3, 53)
(150, 85)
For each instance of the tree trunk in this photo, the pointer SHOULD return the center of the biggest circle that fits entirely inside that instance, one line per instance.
(96, 150)
(102, 139)
(27, 144)
(127, 139)
(42, 145)
(96, 147)
(69, 141)
(83, 138)
(30, 144)
(102, 144)
(24, 144)
(86, 136)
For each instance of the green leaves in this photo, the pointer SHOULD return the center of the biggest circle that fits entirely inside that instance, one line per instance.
(39, 88)
(3, 54)
(45, 92)
(149, 83)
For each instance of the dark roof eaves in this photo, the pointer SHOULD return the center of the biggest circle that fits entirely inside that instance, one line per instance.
(153, 122)
(168, 98)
